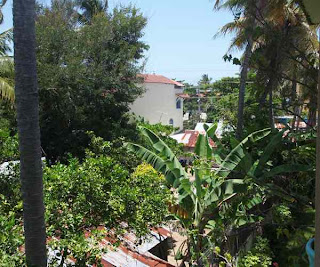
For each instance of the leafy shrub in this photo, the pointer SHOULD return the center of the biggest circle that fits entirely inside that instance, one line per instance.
(100, 192)
(259, 256)
(9, 146)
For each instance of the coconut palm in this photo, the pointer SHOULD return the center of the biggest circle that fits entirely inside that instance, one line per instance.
(7, 79)
(27, 101)
(244, 27)
(278, 39)
(6, 63)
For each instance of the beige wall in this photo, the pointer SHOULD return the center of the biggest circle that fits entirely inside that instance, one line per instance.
(158, 104)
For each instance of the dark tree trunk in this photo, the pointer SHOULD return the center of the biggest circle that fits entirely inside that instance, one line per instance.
(294, 99)
(242, 89)
(255, 12)
(317, 187)
(27, 100)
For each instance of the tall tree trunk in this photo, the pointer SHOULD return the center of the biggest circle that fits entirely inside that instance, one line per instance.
(317, 187)
(27, 100)
(255, 13)
(242, 89)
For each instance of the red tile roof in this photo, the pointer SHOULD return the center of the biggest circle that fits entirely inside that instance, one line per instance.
(184, 95)
(153, 78)
(193, 137)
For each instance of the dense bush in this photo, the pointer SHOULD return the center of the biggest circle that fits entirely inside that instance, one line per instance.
(80, 196)
(9, 149)
(259, 256)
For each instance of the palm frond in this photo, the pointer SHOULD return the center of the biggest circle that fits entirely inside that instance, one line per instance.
(6, 38)
(6, 90)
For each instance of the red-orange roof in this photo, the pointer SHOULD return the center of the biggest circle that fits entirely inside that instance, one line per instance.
(153, 78)
(193, 137)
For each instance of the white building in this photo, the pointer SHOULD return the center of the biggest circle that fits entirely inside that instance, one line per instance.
(161, 102)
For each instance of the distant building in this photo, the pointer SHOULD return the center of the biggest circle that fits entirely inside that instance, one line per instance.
(161, 102)
(186, 116)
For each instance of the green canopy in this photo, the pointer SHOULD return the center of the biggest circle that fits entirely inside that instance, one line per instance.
(312, 10)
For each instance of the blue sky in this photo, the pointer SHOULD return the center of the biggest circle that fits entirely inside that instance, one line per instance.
(180, 34)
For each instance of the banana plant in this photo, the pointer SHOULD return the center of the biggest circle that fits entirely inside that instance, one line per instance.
(162, 158)
(204, 192)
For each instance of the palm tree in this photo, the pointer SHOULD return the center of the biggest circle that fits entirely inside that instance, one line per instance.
(5, 39)
(6, 64)
(7, 79)
(243, 27)
(27, 100)
(91, 8)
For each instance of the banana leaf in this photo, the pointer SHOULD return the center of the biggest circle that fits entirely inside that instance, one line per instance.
(238, 153)
(203, 148)
(164, 161)
(267, 152)
(286, 168)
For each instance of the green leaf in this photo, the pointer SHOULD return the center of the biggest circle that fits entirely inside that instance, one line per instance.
(203, 148)
(287, 168)
(274, 142)
(238, 153)
(165, 162)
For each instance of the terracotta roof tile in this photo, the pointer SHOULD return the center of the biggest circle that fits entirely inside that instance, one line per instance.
(193, 137)
(153, 78)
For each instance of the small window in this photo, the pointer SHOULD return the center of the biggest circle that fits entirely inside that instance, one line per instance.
(171, 121)
(178, 103)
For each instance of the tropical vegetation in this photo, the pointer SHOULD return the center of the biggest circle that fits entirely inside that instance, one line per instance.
(74, 162)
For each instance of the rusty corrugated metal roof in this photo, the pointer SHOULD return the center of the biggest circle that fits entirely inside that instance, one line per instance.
(130, 254)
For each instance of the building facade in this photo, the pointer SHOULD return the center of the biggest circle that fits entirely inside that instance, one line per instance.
(161, 101)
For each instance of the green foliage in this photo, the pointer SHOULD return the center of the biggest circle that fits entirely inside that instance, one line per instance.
(9, 145)
(11, 236)
(114, 149)
(79, 198)
(259, 256)
(87, 77)
(6, 78)
(99, 192)
(164, 131)
(11, 240)
(209, 202)
(161, 157)
(150, 195)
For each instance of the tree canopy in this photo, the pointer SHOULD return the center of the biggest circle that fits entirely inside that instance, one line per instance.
(87, 76)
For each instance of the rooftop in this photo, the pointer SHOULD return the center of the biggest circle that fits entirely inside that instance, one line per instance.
(153, 78)
(189, 138)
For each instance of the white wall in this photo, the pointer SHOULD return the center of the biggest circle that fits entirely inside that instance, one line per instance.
(158, 104)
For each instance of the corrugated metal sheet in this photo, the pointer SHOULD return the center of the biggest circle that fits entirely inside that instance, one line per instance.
(130, 254)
